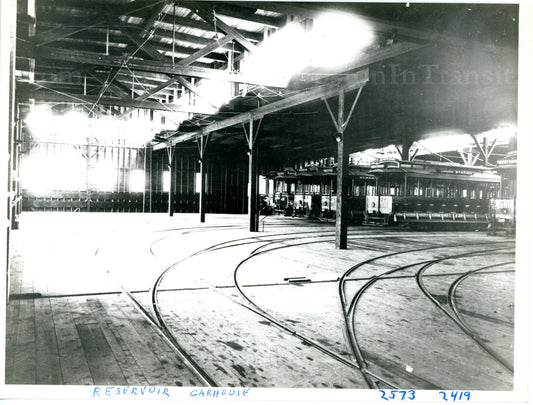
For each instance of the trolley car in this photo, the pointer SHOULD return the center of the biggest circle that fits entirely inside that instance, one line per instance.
(393, 193)
(503, 209)
(311, 192)
(424, 193)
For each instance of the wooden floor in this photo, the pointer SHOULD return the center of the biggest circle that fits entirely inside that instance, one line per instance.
(69, 321)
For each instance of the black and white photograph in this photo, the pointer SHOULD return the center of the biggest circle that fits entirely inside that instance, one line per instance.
(266, 201)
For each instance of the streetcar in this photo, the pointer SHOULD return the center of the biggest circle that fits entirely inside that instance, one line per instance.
(392, 192)
(502, 210)
(428, 193)
(311, 192)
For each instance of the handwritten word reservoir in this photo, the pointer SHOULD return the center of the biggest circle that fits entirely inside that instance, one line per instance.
(102, 392)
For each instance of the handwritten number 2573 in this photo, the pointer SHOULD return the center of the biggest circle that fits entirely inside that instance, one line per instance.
(396, 394)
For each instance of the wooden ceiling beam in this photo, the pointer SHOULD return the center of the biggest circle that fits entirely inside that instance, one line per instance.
(96, 33)
(312, 10)
(239, 13)
(148, 24)
(153, 66)
(206, 50)
(180, 36)
(118, 87)
(209, 17)
(52, 96)
(359, 62)
(142, 44)
(94, 43)
(90, 22)
(347, 83)
(185, 62)
(204, 26)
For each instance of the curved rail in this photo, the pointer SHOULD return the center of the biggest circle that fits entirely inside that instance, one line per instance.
(349, 312)
(460, 324)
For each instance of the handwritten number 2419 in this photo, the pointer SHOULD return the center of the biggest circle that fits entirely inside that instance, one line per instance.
(456, 395)
(401, 395)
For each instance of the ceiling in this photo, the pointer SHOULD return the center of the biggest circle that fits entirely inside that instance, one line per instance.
(430, 67)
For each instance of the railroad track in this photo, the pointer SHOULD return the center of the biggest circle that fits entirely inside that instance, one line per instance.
(270, 243)
(349, 308)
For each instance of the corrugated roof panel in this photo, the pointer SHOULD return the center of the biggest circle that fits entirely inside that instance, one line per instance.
(185, 30)
(132, 20)
(241, 24)
(268, 13)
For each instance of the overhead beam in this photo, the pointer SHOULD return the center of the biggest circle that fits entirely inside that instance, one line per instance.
(91, 58)
(202, 25)
(113, 86)
(141, 43)
(66, 31)
(347, 83)
(360, 61)
(148, 24)
(209, 17)
(206, 50)
(234, 12)
(115, 36)
(313, 11)
(63, 32)
(184, 62)
(51, 96)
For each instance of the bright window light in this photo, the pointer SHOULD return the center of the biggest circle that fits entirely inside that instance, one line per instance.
(72, 125)
(46, 173)
(137, 181)
(75, 128)
(41, 122)
(103, 177)
(262, 184)
(166, 181)
(197, 183)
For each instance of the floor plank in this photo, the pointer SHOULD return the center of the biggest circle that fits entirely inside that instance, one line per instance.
(47, 366)
(74, 367)
(24, 364)
(130, 368)
(102, 363)
(145, 358)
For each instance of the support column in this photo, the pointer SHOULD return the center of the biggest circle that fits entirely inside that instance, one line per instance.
(202, 144)
(253, 177)
(147, 193)
(170, 151)
(88, 175)
(202, 190)
(252, 180)
(406, 146)
(341, 219)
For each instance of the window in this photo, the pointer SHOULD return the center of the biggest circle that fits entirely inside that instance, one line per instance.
(137, 181)
(198, 183)
(166, 181)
